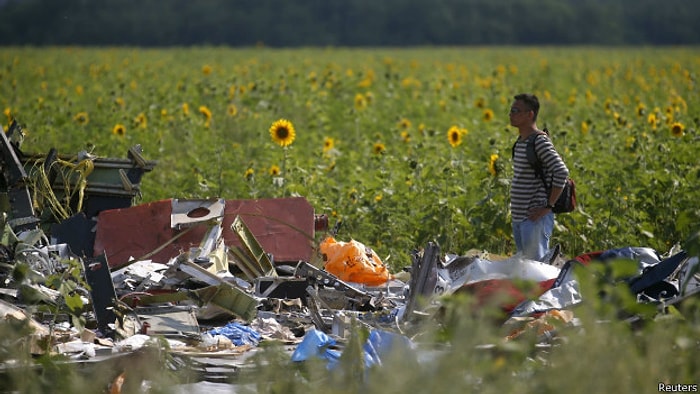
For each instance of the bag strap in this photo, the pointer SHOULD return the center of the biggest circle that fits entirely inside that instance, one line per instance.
(532, 158)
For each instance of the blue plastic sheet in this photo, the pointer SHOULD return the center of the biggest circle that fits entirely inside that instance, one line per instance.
(316, 344)
(379, 344)
(239, 334)
(382, 343)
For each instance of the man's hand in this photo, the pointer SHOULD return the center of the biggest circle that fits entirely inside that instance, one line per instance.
(534, 214)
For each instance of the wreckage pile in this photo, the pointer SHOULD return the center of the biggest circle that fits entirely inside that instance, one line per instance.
(215, 277)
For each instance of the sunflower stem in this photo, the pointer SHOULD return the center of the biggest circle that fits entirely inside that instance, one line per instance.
(283, 172)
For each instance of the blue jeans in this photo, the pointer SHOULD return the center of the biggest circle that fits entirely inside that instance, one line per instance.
(532, 238)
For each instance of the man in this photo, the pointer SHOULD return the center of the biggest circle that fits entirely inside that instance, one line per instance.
(530, 202)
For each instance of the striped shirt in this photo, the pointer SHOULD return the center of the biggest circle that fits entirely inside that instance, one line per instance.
(527, 190)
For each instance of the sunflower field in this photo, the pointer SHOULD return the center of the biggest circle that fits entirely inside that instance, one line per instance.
(403, 146)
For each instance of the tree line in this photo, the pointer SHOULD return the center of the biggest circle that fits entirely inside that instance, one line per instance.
(294, 23)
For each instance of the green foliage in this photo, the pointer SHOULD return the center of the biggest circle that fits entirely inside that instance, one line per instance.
(371, 147)
(69, 284)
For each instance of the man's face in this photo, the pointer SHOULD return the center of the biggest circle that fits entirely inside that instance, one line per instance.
(519, 114)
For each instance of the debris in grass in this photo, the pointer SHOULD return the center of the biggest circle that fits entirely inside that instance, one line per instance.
(90, 275)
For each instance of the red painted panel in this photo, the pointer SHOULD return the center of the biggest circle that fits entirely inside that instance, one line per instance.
(284, 227)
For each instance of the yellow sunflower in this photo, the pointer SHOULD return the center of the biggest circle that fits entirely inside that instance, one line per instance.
(608, 106)
(670, 119)
(81, 118)
(641, 109)
(328, 144)
(492, 164)
(652, 120)
(141, 120)
(454, 135)
(368, 80)
(378, 148)
(206, 112)
(119, 130)
(282, 132)
(404, 124)
(353, 195)
(274, 170)
(360, 102)
(185, 109)
(677, 129)
(488, 115)
(232, 110)
(206, 69)
(249, 174)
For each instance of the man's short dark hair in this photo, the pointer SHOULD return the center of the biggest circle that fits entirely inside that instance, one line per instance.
(531, 101)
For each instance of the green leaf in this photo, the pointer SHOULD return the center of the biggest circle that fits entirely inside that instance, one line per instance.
(623, 268)
(74, 302)
(692, 244)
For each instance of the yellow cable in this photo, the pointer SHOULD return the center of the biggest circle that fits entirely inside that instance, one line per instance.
(44, 194)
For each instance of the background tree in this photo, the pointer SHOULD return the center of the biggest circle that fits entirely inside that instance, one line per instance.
(349, 23)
